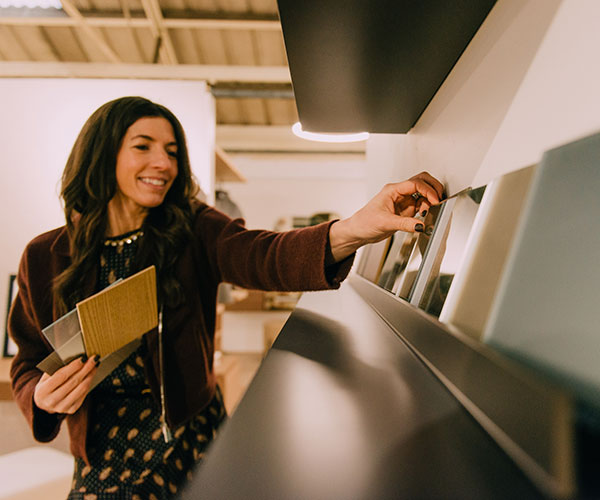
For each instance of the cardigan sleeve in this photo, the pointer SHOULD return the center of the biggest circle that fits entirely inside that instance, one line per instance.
(266, 260)
(25, 330)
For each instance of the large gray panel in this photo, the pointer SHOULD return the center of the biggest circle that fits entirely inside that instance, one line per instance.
(547, 307)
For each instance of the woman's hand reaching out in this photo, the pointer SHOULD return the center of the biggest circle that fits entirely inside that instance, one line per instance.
(65, 390)
(393, 209)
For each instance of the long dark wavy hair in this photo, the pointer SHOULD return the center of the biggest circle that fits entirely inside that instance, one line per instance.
(89, 182)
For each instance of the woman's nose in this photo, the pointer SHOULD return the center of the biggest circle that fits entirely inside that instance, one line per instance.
(161, 159)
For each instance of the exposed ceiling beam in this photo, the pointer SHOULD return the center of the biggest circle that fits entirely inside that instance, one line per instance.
(160, 32)
(225, 24)
(211, 74)
(134, 33)
(90, 31)
(253, 90)
(118, 21)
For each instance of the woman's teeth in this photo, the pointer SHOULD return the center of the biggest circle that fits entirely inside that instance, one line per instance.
(154, 182)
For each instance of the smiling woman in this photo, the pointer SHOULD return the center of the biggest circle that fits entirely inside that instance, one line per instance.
(130, 203)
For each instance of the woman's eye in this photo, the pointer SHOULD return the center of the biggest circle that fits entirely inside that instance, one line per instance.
(141, 147)
(172, 154)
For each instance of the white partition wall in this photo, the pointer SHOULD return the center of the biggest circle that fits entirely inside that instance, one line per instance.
(39, 121)
(526, 83)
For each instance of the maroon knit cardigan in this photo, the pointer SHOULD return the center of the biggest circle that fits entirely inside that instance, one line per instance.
(223, 250)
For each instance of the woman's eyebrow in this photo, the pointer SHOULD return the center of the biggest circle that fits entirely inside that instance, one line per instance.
(143, 136)
(148, 138)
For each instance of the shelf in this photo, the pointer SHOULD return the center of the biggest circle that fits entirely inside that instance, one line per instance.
(342, 408)
(373, 66)
(225, 170)
(530, 418)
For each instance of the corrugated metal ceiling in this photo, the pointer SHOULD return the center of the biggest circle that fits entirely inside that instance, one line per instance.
(237, 45)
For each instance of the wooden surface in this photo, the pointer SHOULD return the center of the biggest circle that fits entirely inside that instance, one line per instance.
(225, 170)
(234, 374)
(5, 392)
(251, 300)
(271, 330)
(119, 314)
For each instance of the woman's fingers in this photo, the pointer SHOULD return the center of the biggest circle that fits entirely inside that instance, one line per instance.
(414, 197)
(432, 181)
(411, 197)
(428, 193)
(62, 375)
(408, 224)
(74, 379)
(73, 392)
(75, 398)
(66, 388)
(43, 395)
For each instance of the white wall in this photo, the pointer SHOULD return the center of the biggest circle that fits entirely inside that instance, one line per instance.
(39, 121)
(288, 186)
(280, 186)
(528, 81)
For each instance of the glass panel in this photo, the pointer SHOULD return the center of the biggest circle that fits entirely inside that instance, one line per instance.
(407, 275)
(449, 254)
(397, 258)
(372, 260)
(364, 255)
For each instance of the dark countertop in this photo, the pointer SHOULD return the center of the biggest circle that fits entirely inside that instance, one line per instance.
(342, 409)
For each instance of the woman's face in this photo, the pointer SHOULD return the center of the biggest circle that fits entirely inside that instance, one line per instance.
(146, 164)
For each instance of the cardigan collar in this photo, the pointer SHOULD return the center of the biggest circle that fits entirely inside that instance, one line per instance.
(61, 245)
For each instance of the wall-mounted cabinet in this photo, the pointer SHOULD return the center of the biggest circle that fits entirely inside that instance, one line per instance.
(503, 288)
(375, 65)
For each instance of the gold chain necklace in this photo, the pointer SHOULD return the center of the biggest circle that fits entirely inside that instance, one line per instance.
(125, 240)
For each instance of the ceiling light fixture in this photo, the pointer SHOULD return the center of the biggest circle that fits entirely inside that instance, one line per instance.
(30, 4)
(321, 137)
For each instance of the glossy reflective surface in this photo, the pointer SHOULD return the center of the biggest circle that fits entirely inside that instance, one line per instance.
(342, 409)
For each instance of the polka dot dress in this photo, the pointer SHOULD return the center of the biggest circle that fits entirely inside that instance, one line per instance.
(129, 458)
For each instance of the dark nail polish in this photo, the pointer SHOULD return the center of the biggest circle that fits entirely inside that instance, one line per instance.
(424, 213)
(83, 358)
(419, 228)
(96, 359)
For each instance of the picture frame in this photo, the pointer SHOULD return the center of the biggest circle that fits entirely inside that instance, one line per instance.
(10, 348)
